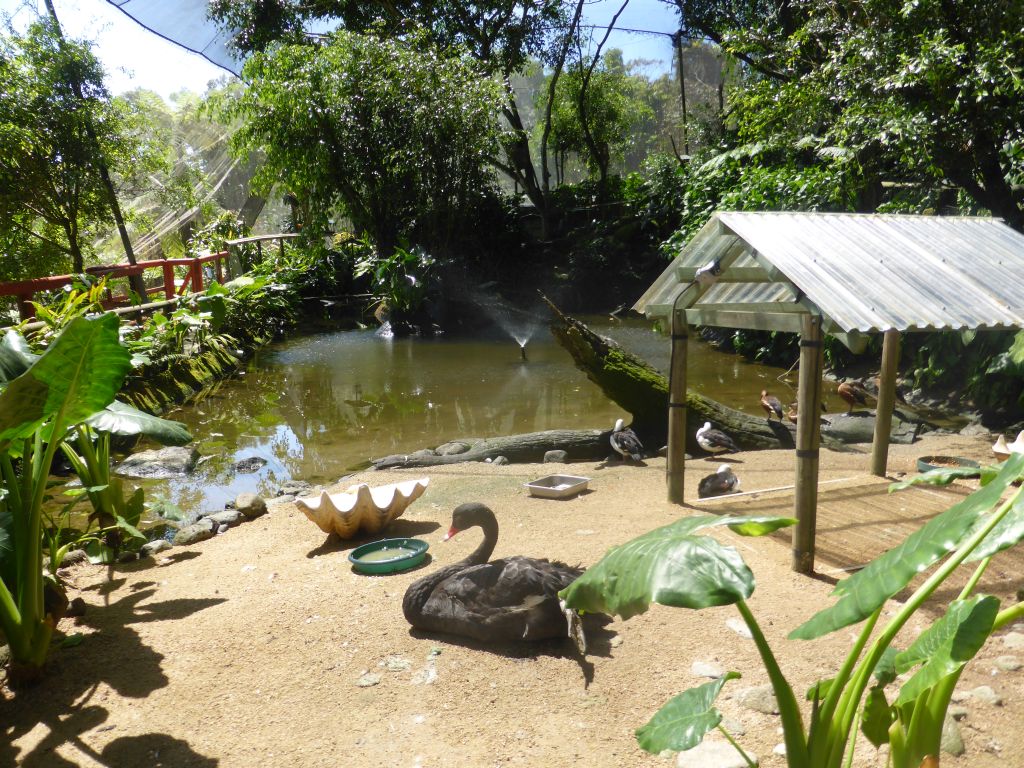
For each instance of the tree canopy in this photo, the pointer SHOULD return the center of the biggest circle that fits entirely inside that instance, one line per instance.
(56, 120)
(394, 131)
(923, 95)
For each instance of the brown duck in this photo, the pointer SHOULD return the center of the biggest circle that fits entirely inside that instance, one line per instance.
(771, 405)
(854, 393)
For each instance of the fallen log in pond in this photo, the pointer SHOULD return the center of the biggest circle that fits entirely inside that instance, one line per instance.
(642, 390)
(578, 444)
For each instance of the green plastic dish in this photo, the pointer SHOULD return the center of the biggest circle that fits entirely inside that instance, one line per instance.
(928, 463)
(388, 555)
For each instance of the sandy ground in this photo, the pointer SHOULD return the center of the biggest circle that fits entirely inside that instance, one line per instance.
(247, 650)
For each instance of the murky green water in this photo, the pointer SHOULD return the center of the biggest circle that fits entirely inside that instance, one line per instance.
(316, 406)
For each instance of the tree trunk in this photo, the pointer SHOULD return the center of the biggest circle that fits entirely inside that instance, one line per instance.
(135, 281)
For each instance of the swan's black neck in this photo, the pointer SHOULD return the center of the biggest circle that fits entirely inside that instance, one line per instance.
(420, 590)
(482, 553)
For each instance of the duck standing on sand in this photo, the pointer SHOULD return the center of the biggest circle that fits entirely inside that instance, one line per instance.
(719, 484)
(771, 404)
(626, 443)
(853, 393)
(715, 441)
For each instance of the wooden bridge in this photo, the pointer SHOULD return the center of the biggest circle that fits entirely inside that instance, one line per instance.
(168, 285)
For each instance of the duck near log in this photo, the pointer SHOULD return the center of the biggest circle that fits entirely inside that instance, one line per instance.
(626, 443)
(853, 393)
(771, 404)
(715, 441)
(500, 601)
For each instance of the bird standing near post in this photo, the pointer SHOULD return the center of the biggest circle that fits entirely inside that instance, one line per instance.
(715, 441)
(853, 393)
(771, 404)
(626, 443)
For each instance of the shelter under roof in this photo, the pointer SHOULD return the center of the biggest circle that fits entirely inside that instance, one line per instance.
(846, 274)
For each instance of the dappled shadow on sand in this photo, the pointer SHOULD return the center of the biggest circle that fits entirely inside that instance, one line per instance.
(399, 529)
(110, 653)
(599, 643)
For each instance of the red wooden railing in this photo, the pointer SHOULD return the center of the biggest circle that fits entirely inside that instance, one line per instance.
(24, 290)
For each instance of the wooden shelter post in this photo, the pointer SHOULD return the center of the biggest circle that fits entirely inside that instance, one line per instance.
(675, 464)
(886, 402)
(808, 439)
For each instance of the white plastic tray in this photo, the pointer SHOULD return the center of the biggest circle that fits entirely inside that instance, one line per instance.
(557, 486)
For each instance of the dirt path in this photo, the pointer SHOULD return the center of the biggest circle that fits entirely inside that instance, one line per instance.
(248, 649)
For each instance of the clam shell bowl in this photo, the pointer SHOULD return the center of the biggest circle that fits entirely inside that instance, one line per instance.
(361, 509)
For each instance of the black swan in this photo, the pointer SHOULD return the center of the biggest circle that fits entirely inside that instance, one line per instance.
(512, 599)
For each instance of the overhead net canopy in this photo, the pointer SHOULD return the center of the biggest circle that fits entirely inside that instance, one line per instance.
(185, 23)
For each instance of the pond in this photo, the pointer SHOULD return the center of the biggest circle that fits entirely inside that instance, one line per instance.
(316, 407)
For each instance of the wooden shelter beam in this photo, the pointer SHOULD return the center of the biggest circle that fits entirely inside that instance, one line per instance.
(675, 463)
(790, 322)
(886, 402)
(808, 439)
(733, 275)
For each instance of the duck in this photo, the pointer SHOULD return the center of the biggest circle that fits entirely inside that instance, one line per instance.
(626, 443)
(715, 441)
(853, 393)
(722, 482)
(771, 404)
(792, 414)
(493, 601)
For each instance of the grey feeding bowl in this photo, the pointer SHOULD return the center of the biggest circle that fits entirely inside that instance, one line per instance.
(557, 486)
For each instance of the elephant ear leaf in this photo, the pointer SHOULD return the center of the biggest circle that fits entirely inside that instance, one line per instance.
(15, 357)
(947, 645)
(670, 566)
(79, 374)
(122, 419)
(682, 722)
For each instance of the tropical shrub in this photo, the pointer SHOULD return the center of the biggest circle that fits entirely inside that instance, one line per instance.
(677, 566)
(66, 394)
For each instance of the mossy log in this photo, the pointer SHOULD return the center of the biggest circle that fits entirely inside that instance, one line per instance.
(642, 390)
(579, 445)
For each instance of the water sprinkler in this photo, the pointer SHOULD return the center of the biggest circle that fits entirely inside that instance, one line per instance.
(522, 349)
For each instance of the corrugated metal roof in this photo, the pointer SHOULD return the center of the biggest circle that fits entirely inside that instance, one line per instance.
(864, 272)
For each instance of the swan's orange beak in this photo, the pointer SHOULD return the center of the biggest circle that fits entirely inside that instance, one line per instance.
(451, 532)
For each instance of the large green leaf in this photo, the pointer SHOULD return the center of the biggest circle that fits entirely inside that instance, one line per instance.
(876, 717)
(78, 375)
(122, 419)
(941, 476)
(1007, 532)
(682, 722)
(670, 566)
(947, 645)
(15, 357)
(863, 592)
